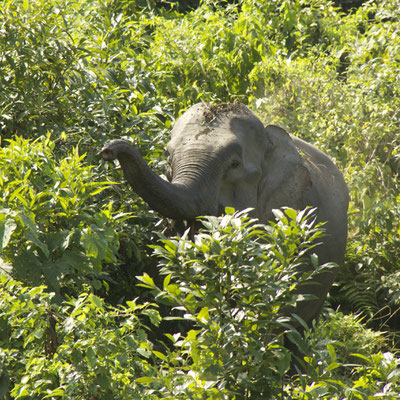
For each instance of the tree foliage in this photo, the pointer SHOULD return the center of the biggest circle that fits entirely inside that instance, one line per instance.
(75, 321)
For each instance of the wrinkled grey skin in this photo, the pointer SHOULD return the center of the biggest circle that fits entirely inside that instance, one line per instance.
(223, 156)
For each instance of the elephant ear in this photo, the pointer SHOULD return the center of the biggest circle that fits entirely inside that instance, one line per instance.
(285, 175)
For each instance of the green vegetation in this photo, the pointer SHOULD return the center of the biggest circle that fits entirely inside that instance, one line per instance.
(90, 277)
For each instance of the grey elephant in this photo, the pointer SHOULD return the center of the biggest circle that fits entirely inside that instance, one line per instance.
(223, 156)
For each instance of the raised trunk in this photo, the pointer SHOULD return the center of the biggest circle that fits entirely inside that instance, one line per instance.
(181, 201)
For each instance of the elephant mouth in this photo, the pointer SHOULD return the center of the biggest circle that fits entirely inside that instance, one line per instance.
(221, 209)
(179, 226)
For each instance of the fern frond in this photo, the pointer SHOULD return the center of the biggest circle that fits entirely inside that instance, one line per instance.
(361, 297)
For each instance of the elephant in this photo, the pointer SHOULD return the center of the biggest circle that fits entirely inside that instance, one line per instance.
(222, 155)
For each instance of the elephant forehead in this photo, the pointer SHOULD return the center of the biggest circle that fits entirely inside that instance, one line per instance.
(206, 138)
(207, 112)
(194, 134)
(199, 126)
(203, 115)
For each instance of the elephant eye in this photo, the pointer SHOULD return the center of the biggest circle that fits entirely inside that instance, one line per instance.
(235, 163)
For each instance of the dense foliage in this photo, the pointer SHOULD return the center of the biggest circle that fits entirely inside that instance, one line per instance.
(90, 277)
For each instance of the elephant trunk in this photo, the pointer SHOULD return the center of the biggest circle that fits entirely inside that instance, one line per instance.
(181, 199)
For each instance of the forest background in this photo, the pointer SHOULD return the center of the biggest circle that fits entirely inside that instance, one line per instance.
(86, 303)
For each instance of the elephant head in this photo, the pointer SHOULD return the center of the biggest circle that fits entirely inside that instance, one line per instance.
(222, 156)
(219, 156)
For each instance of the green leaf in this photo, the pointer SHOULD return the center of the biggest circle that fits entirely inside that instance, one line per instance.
(279, 215)
(91, 246)
(146, 380)
(143, 352)
(211, 373)
(147, 281)
(333, 366)
(292, 214)
(131, 305)
(284, 362)
(38, 333)
(7, 227)
(362, 357)
(331, 351)
(76, 356)
(69, 324)
(91, 356)
(166, 281)
(32, 233)
(203, 315)
(58, 392)
(161, 356)
(153, 315)
(96, 301)
(229, 211)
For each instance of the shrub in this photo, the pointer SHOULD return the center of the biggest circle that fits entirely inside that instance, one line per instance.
(51, 231)
(230, 296)
(80, 349)
(231, 282)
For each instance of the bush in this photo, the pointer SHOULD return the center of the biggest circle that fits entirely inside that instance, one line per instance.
(80, 349)
(51, 231)
(232, 282)
(230, 297)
